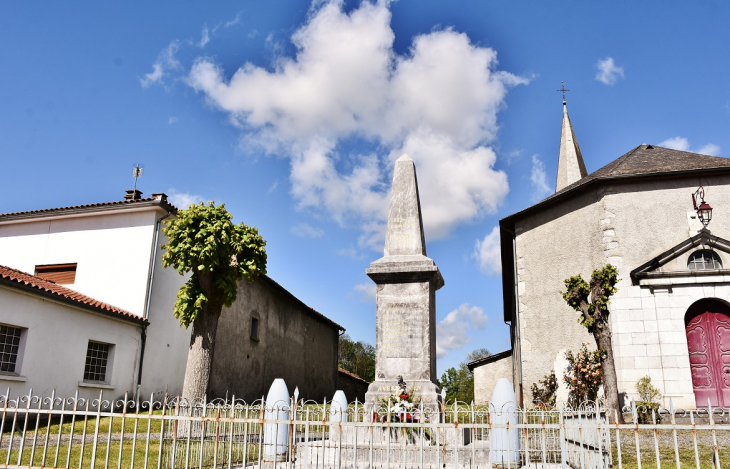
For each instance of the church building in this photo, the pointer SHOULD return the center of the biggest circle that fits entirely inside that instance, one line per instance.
(670, 318)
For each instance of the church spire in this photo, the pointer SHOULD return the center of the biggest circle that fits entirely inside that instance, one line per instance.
(570, 162)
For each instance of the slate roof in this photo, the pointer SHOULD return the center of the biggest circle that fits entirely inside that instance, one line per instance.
(156, 199)
(651, 159)
(16, 278)
(489, 359)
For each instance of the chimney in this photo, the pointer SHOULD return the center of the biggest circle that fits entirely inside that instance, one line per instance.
(132, 194)
(160, 196)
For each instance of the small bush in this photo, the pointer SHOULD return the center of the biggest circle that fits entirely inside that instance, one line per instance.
(544, 395)
(649, 402)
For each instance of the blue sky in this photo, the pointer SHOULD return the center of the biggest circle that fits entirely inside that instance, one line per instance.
(292, 113)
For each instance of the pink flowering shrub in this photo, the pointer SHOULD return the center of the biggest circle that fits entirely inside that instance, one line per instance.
(584, 375)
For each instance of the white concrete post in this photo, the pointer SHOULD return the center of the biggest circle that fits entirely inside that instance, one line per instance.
(504, 443)
(276, 435)
(338, 413)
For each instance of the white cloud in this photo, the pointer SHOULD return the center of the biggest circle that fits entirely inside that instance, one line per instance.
(366, 291)
(350, 252)
(172, 120)
(273, 187)
(183, 199)
(681, 143)
(452, 332)
(204, 37)
(488, 254)
(439, 102)
(608, 71)
(709, 149)
(540, 187)
(155, 76)
(305, 230)
(165, 62)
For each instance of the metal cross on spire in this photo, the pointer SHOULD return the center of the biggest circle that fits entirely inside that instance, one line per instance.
(562, 88)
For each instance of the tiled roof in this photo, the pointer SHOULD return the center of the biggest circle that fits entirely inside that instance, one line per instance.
(650, 159)
(643, 161)
(156, 199)
(351, 375)
(45, 287)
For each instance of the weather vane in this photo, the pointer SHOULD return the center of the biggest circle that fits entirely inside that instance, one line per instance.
(137, 172)
(562, 88)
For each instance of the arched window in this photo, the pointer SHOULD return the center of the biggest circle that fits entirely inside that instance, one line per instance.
(704, 259)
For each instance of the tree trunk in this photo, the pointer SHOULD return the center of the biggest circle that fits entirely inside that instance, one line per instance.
(202, 342)
(602, 335)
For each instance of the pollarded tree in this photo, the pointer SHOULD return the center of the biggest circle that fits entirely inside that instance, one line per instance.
(591, 300)
(202, 239)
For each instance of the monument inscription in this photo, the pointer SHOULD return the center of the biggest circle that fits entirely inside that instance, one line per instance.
(401, 335)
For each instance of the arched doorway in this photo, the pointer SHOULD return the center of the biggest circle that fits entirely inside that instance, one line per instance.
(707, 324)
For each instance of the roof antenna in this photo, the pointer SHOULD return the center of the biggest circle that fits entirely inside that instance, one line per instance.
(562, 88)
(137, 171)
(134, 194)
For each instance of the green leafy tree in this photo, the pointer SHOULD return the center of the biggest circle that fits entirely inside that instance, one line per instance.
(591, 301)
(459, 382)
(477, 354)
(357, 357)
(203, 239)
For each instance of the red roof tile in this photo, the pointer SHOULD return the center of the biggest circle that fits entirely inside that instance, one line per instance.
(160, 199)
(351, 374)
(46, 287)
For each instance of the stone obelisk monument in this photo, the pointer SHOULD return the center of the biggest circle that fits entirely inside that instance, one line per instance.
(407, 280)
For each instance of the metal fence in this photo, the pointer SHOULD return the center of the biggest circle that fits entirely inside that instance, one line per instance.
(172, 433)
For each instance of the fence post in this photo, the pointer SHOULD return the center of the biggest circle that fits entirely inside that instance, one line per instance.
(563, 453)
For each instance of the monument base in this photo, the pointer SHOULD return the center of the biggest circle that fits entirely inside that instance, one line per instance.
(424, 390)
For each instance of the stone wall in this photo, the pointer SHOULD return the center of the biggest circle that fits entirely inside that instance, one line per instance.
(625, 225)
(352, 385)
(487, 373)
(294, 342)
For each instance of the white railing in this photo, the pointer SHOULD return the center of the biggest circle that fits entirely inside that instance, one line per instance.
(171, 433)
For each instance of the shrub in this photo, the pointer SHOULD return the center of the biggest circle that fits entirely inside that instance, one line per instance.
(584, 375)
(649, 402)
(544, 395)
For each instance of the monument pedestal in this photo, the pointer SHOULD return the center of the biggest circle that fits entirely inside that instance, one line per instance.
(407, 280)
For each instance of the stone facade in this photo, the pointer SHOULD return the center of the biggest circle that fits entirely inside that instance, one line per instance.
(626, 224)
(268, 333)
(487, 371)
(637, 214)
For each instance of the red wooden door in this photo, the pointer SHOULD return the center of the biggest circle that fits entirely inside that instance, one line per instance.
(708, 339)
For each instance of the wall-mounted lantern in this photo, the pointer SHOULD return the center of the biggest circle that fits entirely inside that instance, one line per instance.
(704, 211)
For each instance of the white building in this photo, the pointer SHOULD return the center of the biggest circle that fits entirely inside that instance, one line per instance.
(107, 252)
(670, 318)
(54, 338)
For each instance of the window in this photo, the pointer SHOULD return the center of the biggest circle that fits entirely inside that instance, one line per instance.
(62, 274)
(704, 259)
(255, 329)
(97, 360)
(9, 348)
